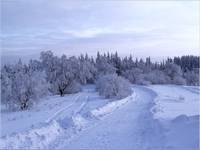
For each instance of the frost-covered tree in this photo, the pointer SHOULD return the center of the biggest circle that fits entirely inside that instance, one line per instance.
(62, 72)
(21, 86)
(187, 62)
(133, 75)
(157, 77)
(35, 65)
(67, 75)
(192, 77)
(174, 72)
(179, 80)
(73, 87)
(87, 71)
(50, 65)
(103, 66)
(6, 84)
(113, 86)
(115, 61)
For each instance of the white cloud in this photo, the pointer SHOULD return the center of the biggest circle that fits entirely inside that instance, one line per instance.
(166, 26)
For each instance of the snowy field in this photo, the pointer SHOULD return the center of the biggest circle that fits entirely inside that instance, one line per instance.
(153, 117)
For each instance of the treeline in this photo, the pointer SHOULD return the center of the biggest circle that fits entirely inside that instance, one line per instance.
(22, 84)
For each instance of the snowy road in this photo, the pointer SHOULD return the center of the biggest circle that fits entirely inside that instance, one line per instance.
(123, 129)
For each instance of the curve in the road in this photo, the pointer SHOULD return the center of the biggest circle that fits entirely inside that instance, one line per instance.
(130, 127)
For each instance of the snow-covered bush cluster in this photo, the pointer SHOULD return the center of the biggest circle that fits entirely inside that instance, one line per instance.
(113, 86)
(22, 84)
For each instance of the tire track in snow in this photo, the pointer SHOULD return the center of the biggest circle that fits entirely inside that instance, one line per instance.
(81, 107)
(57, 113)
(76, 119)
(131, 127)
(40, 137)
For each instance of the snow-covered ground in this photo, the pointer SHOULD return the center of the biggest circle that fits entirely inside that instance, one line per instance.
(177, 108)
(157, 116)
(173, 101)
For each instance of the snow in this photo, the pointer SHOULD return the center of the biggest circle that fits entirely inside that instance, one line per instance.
(53, 113)
(24, 120)
(110, 107)
(173, 101)
(183, 132)
(123, 129)
(153, 117)
(177, 108)
(36, 137)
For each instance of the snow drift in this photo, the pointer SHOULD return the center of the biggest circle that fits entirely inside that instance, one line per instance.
(35, 138)
(110, 107)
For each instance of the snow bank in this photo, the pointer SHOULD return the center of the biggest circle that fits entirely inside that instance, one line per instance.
(42, 136)
(21, 121)
(172, 101)
(110, 107)
(167, 110)
(182, 133)
(35, 138)
(177, 108)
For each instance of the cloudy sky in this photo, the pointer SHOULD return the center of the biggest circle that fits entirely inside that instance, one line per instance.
(145, 28)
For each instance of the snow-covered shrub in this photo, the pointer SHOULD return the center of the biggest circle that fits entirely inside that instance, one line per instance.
(179, 80)
(132, 75)
(136, 76)
(172, 70)
(73, 87)
(192, 77)
(175, 73)
(157, 77)
(113, 86)
(142, 81)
